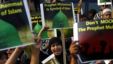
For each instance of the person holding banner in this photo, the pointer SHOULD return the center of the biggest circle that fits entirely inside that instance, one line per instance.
(110, 62)
(73, 51)
(3, 57)
(55, 47)
(99, 14)
(106, 13)
(17, 56)
(100, 62)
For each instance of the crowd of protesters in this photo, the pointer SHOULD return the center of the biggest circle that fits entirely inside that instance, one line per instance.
(37, 55)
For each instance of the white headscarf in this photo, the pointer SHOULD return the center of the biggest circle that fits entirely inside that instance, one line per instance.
(106, 10)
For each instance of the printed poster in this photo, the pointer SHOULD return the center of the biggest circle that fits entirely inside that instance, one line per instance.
(104, 2)
(15, 25)
(95, 40)
(57, 15)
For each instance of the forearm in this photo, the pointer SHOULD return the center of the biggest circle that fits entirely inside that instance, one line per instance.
(79, 6)
(35, 56)
(80, 3)
(73, 59)
(12, 59)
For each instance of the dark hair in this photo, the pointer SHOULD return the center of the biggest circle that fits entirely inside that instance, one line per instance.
(3, 53)
(55, 40)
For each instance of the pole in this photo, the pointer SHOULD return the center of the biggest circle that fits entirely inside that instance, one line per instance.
(112, 8)
(63, 45)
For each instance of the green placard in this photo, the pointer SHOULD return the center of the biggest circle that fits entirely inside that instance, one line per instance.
(57, 15)
(15, 28)
(103, 1)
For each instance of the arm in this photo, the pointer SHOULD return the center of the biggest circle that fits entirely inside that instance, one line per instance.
(80, 3)
(36, 49)
(73, 50)
(35, 52)
(35, 55)
(73, 59)
(14, 56)
(79, 6)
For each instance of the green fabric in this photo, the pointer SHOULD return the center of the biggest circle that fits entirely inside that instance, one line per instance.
(60, 20)
(9, 36)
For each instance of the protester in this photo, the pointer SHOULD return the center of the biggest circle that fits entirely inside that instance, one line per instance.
(91, 14)
(14, 55)
(99, 14)
(100, 62)
(83, 18)
(3, 57)
(17, 56)
(110, 62)
(106, 13)
(73, 51)
(55, 47)
(55, 44)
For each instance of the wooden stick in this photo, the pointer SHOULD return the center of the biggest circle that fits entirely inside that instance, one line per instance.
(112, 9)
(63, 45)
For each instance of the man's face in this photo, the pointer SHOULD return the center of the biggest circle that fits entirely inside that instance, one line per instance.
(9, 52)
(99, 62)
(56, 49)
(107, 15)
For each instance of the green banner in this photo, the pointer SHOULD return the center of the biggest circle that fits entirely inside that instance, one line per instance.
(15, 26)
(103, 1)
(57, 15)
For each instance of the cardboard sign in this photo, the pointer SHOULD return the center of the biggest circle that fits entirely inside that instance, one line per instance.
(104, 2)
(15, 25)
(57, 15)
(95, 40)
